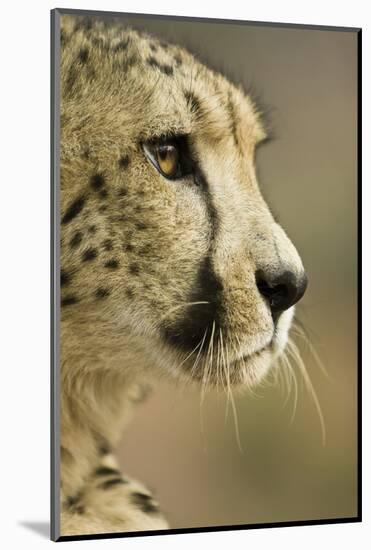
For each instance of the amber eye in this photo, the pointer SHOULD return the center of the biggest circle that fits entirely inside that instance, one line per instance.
(170, 156)
(168, 160)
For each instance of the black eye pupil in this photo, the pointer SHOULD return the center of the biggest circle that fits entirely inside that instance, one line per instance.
(164, 151)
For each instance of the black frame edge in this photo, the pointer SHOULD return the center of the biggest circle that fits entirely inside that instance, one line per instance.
(302, 26)
(54, 271)
(214, 529)
(359, 270)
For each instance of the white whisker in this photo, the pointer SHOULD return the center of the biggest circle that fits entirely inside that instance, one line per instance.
(234, 409)
(193, 369)
(298, 331)
(207, 365)
(293, 351)
(190, 354)
(287, 365)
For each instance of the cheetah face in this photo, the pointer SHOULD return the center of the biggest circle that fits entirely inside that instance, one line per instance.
(167, 243)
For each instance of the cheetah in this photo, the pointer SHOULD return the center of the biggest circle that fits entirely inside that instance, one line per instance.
(172, 265)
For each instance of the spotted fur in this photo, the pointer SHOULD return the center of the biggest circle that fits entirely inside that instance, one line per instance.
(158, 277)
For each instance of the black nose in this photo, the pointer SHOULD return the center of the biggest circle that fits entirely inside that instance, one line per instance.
(282, 290)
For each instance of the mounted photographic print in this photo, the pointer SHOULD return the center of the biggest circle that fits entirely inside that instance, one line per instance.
(205, 365)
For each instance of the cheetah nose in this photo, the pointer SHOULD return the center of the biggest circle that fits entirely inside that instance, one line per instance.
(282, 290)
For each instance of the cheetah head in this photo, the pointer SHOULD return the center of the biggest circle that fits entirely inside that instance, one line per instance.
(170, 256)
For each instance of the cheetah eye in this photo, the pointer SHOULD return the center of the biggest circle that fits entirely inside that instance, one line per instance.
(170, 156)
(167, 160)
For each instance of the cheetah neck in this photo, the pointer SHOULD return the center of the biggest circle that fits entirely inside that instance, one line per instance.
(98, 395)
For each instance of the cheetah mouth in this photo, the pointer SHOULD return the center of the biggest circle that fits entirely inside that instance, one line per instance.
(248, 356)
(239, 371)
(249, 351)
(221, 358)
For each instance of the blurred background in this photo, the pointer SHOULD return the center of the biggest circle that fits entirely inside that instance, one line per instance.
(189, 454)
